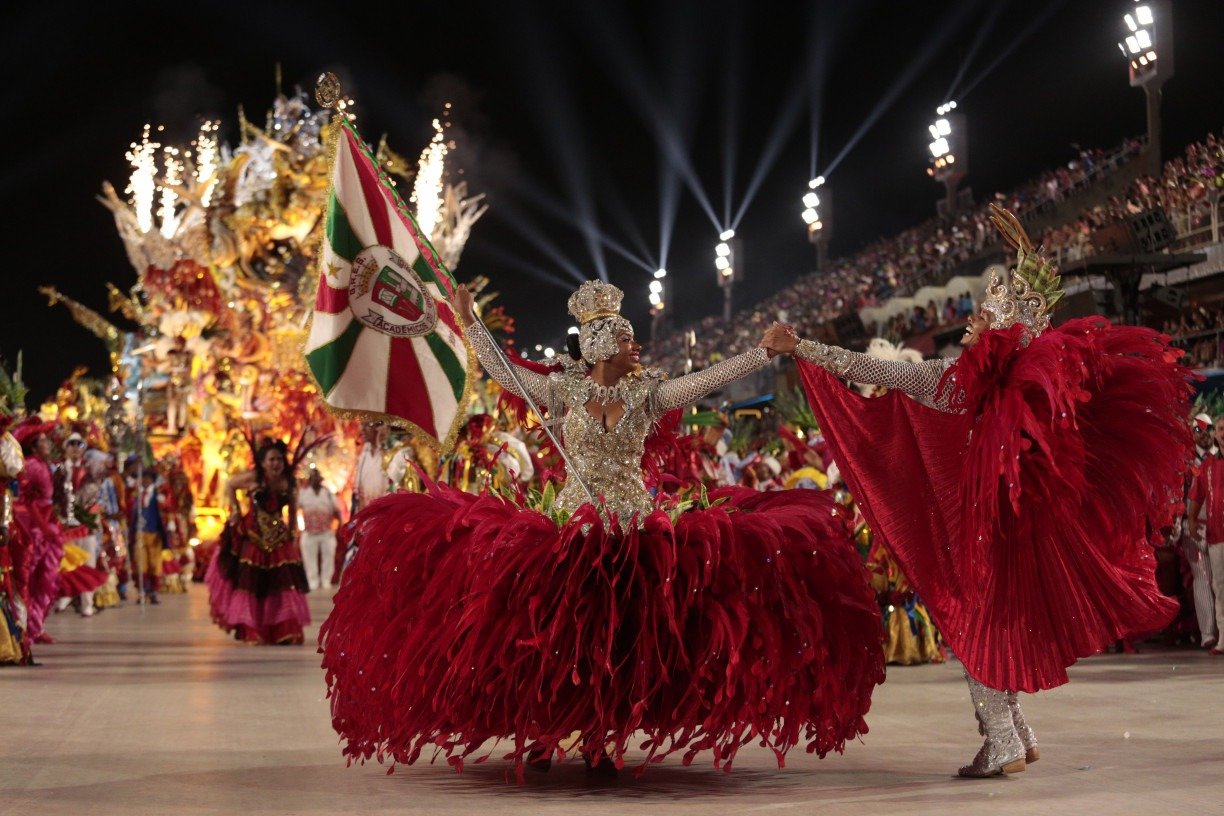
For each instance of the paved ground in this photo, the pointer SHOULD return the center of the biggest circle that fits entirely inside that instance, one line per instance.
(156, 712)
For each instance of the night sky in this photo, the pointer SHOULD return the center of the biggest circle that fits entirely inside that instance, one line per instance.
(560, 109)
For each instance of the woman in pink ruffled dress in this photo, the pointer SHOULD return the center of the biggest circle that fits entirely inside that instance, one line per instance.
(256, 581)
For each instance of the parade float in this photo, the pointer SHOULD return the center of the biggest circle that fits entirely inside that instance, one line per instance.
(206, 346)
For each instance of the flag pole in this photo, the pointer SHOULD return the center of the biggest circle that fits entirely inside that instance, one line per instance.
(512, 370)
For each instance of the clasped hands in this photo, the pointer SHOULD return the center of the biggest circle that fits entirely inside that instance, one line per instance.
(779, 339)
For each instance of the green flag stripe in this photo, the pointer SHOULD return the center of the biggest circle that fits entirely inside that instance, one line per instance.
(450, 363)
(425, 271)
(329, 362)
(339, 234)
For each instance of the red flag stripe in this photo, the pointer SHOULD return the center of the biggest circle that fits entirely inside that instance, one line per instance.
(330, 299)
(375, 196)
(407, 394)
(448, 317)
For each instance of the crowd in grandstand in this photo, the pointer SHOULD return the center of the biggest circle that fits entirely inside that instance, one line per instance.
(1188, 190)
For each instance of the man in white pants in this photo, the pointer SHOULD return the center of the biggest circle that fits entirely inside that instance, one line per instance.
(1195, 547)
(319, 509)
(1208, 494)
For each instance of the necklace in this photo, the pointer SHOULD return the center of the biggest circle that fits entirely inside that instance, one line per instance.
(604, 394)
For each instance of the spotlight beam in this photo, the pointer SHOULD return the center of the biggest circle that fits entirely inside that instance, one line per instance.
(980, 37)
(669, 204)
(935, 43)
(536, 237)
(550, 205)
(611, 38)
(774, 143)
(732, 97)
(808, 87)
(508, 259)
(826, 31)
(616, 206)
(1016, 42)
(563, 132)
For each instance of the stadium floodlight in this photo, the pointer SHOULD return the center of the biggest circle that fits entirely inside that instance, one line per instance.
(659, 296)
(1147, 45)
(948, 147)
(815, 216)
(727, 266)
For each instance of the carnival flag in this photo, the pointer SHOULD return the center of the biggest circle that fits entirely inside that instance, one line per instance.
(383, 341)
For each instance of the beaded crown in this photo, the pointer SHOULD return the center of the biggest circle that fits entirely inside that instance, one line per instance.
(595, 299)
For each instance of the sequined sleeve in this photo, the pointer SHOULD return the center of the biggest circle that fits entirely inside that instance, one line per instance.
(919, 380)
(692, 387)
(482, 343)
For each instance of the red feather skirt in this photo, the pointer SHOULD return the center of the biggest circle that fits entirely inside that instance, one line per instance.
(467, 620)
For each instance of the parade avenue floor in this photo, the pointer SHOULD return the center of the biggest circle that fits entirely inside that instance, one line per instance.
(157, 712)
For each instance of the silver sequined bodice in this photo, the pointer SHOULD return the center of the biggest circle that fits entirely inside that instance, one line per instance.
(610, 461)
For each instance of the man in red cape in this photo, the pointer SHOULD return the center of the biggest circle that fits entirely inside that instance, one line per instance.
(1000, 487)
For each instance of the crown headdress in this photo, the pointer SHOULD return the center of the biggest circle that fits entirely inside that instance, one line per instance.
(1031, 291)
(595, 299)
(596, 307)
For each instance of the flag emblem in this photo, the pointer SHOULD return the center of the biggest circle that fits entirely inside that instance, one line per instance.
(386, 294)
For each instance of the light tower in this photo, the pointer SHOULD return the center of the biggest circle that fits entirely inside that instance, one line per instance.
(949, 153)
(1148, 48)
(660, 303)
(817, 214)
(728, 265)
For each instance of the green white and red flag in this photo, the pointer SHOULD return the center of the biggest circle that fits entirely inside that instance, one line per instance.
(384, 342)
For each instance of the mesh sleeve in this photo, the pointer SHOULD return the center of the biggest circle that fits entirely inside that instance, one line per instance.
(692, 387)
(916, 379)
(491, 361)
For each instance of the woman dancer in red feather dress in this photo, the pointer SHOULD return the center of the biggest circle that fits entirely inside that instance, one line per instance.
(1002, 491)
(467, 620)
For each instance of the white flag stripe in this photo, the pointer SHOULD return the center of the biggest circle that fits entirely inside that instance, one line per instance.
(336, 270)
(325, 328)
(454, 341)
(363, 385)
(401, 239)
(351, 197)
(440, 394)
